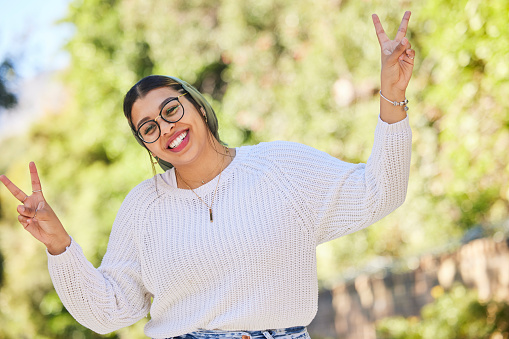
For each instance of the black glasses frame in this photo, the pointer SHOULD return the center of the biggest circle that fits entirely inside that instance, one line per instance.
(160, 115)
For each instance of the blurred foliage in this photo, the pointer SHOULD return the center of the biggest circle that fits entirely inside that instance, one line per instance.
(456, 314)
(7, 98)
(305, 71)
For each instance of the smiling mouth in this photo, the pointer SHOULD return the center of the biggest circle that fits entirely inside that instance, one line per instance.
(178, 140)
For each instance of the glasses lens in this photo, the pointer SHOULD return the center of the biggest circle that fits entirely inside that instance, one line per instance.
(172, 111)
(149, 131)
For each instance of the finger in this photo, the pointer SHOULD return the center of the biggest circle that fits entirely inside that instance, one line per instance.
(36, 183)
(399, 50)
(39, 212)
(23, 221)
(30, 223)
(15, 191)
(26, 211)
(403, 26)
(33, 226)
(380, 33)
(408, 56)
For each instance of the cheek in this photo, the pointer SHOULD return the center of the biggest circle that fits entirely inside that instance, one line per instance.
(153, 148)
(204, 132)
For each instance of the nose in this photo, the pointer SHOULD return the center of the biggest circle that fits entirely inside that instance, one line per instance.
(163, 125)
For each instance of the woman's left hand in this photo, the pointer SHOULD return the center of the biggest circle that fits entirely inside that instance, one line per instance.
(397, 58)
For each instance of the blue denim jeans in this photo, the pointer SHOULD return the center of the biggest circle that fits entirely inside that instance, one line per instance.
(284, 333)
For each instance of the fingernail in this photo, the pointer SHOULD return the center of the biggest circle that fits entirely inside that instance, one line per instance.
(22, 209)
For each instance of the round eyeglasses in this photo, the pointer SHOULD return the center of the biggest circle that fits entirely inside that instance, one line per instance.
(171, 112)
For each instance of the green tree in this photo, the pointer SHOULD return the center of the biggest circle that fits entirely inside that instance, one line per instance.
(456, 314)
(305, 71)
(7, 98)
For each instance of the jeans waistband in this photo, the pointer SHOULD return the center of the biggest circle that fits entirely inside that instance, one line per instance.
(267, 334)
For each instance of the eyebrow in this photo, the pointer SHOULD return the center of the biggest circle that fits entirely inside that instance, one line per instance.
(165, 101)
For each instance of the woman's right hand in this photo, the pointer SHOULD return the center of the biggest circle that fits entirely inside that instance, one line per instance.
(36, 215)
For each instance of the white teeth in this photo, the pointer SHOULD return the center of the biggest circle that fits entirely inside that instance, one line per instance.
(178, 140)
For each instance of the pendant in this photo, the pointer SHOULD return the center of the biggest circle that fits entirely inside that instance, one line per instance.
(210, 214)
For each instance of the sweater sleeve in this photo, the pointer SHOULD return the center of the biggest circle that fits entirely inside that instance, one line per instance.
(109, 297)
(338, 198)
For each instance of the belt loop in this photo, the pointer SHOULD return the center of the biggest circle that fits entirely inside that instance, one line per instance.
(267, 335)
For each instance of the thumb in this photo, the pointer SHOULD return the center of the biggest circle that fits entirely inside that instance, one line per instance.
(40, 212)
(400, 49)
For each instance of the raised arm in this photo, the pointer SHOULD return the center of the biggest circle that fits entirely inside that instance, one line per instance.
(104, 299)
(397, 65)
(36, 216)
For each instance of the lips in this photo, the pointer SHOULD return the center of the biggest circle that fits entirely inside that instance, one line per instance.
(178, 141)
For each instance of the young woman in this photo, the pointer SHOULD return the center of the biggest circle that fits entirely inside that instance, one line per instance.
(222, 245)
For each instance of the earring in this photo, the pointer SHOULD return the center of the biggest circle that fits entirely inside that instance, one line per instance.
(156, 158)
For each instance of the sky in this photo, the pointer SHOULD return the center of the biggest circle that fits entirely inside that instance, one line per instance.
(30, 37)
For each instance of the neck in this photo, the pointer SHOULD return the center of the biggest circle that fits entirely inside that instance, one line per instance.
(193, 176)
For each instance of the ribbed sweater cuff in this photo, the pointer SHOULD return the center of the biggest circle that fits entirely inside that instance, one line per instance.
(70, 252)
(397, 127)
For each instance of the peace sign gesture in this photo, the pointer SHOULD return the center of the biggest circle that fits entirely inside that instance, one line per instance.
(36, 215)
(397, 58)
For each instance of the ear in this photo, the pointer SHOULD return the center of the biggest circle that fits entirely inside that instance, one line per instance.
(202, 110)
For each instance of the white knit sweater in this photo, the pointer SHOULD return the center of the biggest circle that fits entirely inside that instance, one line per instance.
(254, 267)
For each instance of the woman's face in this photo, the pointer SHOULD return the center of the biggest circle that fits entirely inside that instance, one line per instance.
(180, 143)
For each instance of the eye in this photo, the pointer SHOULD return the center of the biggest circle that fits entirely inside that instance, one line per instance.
(148, 128)
(171, 109)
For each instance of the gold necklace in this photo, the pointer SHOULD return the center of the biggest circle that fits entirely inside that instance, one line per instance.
(215, 191)
(207, 179)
